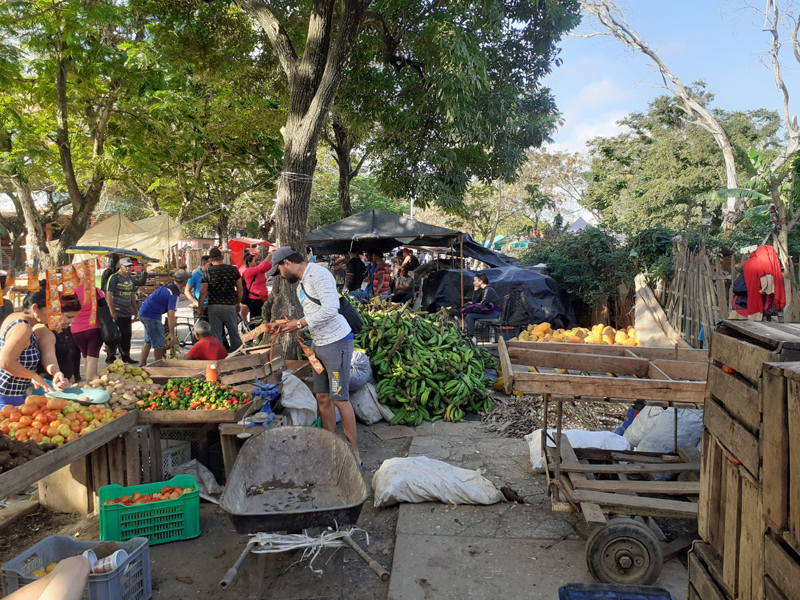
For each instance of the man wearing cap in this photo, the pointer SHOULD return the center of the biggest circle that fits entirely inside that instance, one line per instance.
(121, 298)
(222, 285)
(163, 300)
(332, 336)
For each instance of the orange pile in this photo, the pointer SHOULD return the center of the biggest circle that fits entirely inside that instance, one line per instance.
(53, 420)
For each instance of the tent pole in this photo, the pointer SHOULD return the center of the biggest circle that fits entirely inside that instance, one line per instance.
(461, 243)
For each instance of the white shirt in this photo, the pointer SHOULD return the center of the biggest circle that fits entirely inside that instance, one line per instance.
(324, 321)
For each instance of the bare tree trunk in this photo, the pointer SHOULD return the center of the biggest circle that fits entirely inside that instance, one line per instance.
(36, 235)
(611, 18)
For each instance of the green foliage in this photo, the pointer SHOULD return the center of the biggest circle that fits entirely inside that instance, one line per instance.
(589, 263)
(664, 170)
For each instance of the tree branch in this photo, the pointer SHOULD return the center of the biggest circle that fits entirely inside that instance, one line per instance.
(354, 173)
(62, 129)
(276, 32)
(791, 124)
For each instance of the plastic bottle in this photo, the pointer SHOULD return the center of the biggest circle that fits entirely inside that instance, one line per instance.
(211, 373)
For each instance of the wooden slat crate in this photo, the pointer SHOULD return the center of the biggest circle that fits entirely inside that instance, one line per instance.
(730, 521)
(782, 570)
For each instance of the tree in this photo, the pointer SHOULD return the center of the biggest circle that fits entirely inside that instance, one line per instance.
(66, 79)
(659, 172)
(314, 42)
(613, 21)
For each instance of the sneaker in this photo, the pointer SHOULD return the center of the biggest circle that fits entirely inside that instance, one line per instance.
(130, 361)
(109, 360)
(474, 340)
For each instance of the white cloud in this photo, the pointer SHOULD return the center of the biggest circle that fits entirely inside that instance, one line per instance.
(575, 133)
(600, 93)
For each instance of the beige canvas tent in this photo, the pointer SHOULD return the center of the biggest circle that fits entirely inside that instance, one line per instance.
(108, 232)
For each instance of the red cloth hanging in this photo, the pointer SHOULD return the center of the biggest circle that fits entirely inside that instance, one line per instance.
(763, 261)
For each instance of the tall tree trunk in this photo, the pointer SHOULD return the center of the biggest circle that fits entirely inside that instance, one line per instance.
(36, 236)
(343, 148)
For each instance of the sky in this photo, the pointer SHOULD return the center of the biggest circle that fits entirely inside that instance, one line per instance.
(720, 42)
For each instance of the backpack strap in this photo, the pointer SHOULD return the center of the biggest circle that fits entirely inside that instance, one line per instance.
(314, 300)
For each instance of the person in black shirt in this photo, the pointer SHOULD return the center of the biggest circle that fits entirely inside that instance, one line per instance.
(485, 303)
(355, 272)
(222, 284)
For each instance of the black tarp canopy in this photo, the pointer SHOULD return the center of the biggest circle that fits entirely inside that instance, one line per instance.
(383, 231)
(533, 297)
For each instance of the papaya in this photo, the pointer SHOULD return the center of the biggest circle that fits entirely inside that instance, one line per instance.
(609, 331)
(543, 327)
(630, 342)
(531, 328)
(598, 329)
(620, 337)
(574, 339)
(608, 339)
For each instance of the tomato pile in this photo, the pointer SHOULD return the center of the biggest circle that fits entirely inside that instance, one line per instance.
(166, 493)
(193, 394)
(53, 420)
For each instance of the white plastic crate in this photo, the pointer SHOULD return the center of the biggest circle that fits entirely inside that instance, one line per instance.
(174, 453)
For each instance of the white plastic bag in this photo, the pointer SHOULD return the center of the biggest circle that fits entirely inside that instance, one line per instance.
(578, 438)
(641, 423)
(660, 437)
(205, 478)
(360, 370)
(423, 479)
(299, 403)
(366, 406)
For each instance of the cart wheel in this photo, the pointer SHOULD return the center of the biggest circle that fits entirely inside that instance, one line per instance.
(624, 551)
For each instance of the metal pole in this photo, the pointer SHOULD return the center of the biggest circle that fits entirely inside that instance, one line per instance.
(374, 565)
(461, 241)
(559, 414)
(226, 581)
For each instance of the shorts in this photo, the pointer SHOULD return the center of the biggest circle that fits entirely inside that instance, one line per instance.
(154, 332)
(89, 342)
(335, 379)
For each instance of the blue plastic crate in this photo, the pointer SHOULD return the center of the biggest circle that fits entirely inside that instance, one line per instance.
(605, 591)
(130, 581)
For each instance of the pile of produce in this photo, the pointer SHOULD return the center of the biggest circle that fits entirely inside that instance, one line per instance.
(124, 383)
(14, 453)
(599, 334)
(427, 368)
(54, 420)
(193, 394)
(166, 493)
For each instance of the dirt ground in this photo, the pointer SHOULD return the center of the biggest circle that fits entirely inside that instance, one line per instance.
(206, 559)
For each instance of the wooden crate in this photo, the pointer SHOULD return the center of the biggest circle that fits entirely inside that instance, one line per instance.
(657, 376)
(782, 570)
(781, 450)
(730, 520)
(130, 459)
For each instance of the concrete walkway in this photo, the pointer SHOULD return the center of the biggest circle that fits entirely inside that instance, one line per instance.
(490, 552)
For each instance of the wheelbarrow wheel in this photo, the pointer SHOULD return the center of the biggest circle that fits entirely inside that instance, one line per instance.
(624, 551)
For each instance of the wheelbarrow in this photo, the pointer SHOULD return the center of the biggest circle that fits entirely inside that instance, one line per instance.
(294, 478)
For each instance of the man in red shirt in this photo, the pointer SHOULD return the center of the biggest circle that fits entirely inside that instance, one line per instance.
(207, 347)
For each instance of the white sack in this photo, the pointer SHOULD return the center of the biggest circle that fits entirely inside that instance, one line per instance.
(360, 370)
(578, 438)
(641, 424)
(660, 437)
(298, 402)
(422, 479)
(206, 481)
(366, 406)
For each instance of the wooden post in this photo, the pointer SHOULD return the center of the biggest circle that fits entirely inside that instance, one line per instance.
(461, 272)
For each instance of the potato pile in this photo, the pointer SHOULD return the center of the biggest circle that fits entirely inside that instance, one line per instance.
(124, 383)
(14, 453)
(599, 334)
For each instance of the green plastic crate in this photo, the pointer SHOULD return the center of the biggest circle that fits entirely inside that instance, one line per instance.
(160, 522)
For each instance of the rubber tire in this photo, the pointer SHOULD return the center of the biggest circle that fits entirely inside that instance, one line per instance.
(623, 527)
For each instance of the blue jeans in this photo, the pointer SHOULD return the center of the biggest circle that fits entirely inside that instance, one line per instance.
(470, 318)
(154, 332)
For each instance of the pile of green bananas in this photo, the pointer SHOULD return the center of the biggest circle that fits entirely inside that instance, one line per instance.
(427, 368)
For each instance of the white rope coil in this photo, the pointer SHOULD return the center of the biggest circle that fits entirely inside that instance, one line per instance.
(273, 543)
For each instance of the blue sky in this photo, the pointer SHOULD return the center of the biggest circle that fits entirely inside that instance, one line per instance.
(721, 43)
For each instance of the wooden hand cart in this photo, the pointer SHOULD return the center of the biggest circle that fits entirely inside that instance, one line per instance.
(605, 482)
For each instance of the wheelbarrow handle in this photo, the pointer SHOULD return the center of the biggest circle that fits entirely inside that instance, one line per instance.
(228, 579)
(374, 565)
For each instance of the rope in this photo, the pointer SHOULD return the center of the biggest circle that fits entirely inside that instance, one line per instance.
(273, 543)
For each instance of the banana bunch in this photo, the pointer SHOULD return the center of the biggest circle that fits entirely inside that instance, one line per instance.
(427, 368)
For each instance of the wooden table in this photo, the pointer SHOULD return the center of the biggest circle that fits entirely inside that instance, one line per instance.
(50, 462)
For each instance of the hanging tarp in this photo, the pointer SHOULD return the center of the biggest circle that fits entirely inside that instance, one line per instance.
(533, 297)
(238, 245)
(108, 233)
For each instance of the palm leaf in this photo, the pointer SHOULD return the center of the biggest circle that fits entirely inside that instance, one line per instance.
(736, 193)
